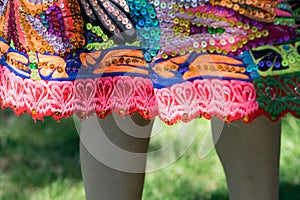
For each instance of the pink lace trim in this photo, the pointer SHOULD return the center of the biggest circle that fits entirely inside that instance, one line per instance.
(228, 99)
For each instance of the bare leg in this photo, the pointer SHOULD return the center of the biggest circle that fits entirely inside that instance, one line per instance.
(104, 182)
(250, 157)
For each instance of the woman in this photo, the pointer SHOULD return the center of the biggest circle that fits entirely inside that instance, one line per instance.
(178, 60)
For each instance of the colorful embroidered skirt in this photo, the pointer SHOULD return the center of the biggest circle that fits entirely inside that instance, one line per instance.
(176, 59)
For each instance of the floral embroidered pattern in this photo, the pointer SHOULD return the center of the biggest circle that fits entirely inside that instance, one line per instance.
(228, 99)
(278, 95)
(175, 59)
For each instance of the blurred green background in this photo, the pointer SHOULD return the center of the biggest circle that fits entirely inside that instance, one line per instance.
(40, 161)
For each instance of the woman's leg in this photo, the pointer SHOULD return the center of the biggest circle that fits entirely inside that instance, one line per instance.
(102, 179)
(250, 155)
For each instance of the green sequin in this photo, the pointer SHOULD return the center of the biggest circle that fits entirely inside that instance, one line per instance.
(214, 31)
(33, 66)
(89, 26)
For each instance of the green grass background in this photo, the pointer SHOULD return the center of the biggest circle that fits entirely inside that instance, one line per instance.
(40, 161)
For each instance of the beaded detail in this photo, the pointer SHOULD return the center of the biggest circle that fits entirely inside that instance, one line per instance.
(221, 27)
(276, 60)
(176, 59)
(45, 27)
